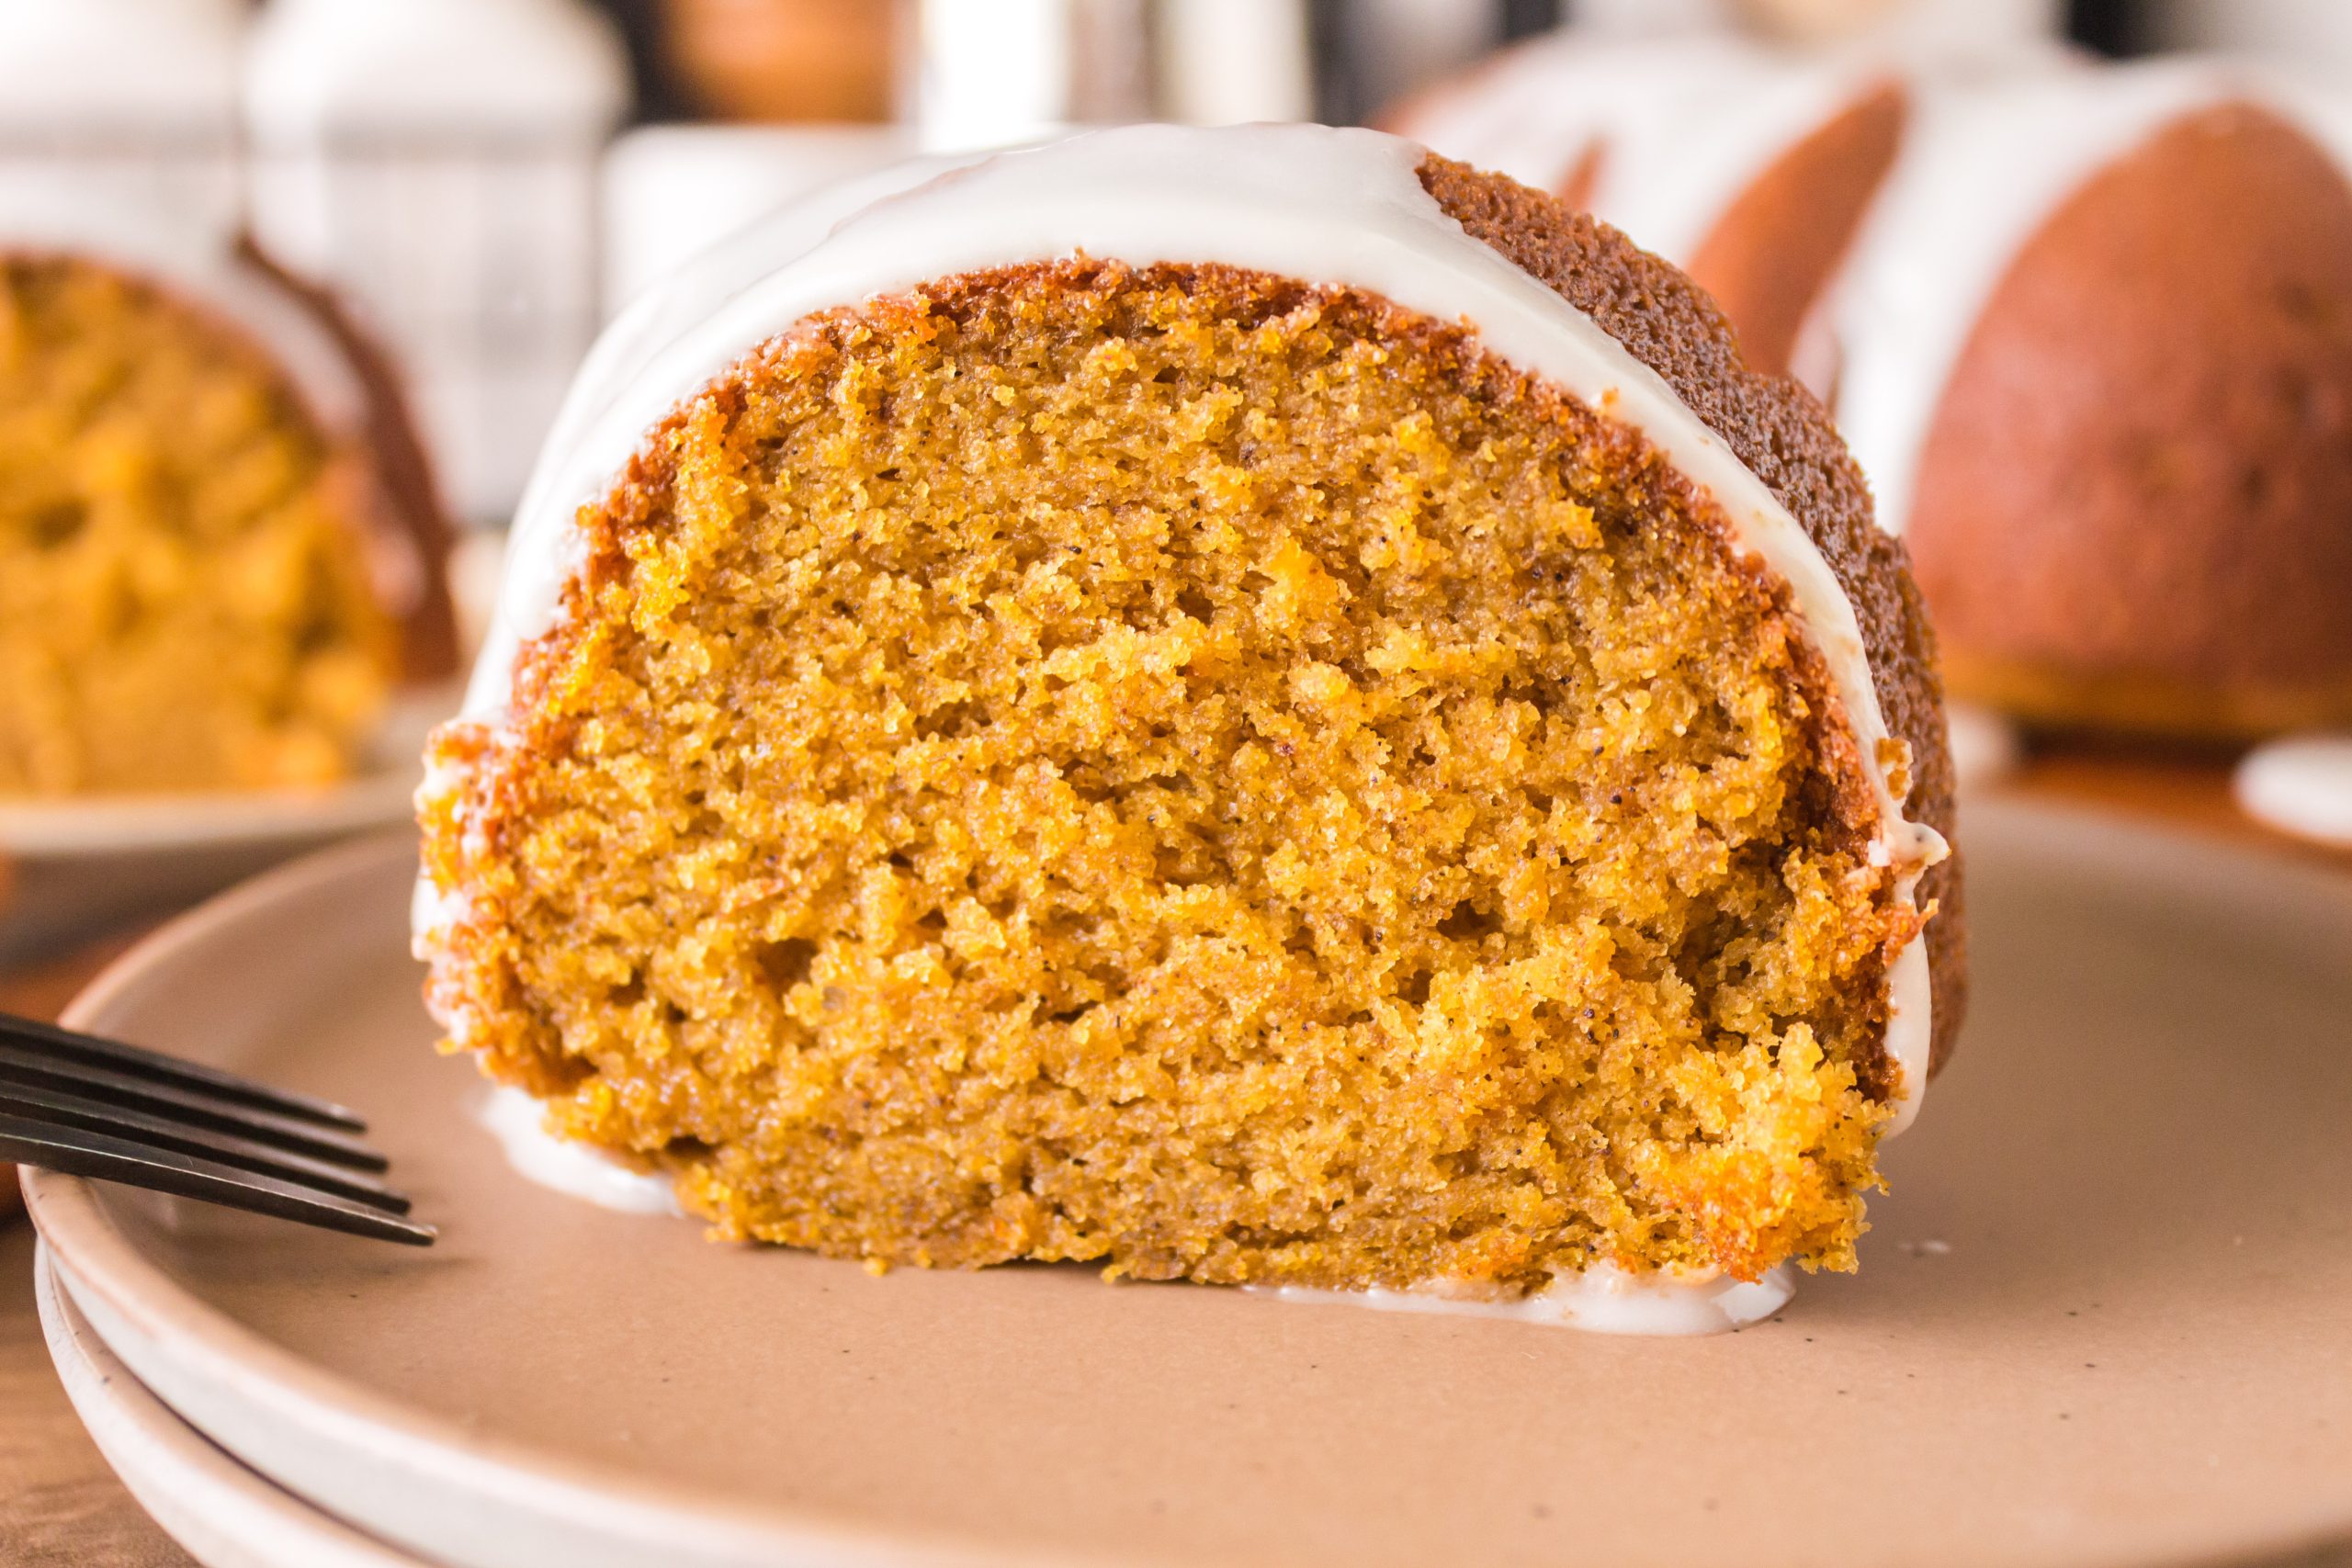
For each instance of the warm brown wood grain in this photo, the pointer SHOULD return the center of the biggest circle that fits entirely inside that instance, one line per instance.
(59, 1504)
(40, 990)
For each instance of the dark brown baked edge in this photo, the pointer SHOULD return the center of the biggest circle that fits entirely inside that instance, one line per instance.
(408, 517)
(1785, 438)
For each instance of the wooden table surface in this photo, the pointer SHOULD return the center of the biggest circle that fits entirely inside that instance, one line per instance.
(61, 1507)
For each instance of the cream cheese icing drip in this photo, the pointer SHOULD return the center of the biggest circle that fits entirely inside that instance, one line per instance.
(1684, 124)
(1340, 207)
(1604, 1299)
(519, 1124)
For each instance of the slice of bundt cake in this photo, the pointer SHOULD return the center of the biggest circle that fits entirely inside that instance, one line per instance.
(1249, 705)
(217, 548)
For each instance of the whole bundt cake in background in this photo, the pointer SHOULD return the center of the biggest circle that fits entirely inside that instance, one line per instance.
(1046, 725)
(219, 551)
(1752, 164)
(2088, 329)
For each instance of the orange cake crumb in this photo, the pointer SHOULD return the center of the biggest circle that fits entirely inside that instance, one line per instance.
(185, 598)
(1189, 771)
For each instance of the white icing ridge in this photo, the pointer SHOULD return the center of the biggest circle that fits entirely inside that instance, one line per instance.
(198, 265)
(1995, 141)
(1670, 157)
(519, 1124)
(1341, 208)
(2301, 784)
(1604, 1299)
(1983, 165)
(1996, 138)
(1688, 123)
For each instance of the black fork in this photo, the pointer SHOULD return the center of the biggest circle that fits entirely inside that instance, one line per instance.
(92, 1107)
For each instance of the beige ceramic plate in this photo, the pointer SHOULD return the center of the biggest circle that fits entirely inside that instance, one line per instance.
(84, 863)
(222, 1513)
(2106, 1316)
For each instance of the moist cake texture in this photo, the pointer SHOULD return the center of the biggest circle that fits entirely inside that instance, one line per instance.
(184, 593)
(1214, 774)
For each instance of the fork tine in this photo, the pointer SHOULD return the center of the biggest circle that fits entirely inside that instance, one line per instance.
(113, 1055)
(190, 1107)
(63, 1110)
(108, 1158)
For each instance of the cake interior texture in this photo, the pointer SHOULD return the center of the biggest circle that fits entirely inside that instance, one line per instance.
(184, 601)
(1189, 771)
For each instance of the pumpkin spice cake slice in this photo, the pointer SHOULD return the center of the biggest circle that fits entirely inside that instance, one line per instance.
(1246, 705)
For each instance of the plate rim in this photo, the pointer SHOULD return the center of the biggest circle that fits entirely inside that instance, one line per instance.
(93, 1374)
(105, 1274)
(378, 792)
(91, 827)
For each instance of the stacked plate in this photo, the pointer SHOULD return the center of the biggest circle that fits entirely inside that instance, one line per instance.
(80, 864)
(2101, 1320)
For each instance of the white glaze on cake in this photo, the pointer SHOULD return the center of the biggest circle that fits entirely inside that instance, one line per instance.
(1993, 144)
(1681, 125)
(1687, 123)
(519, 1124)
(1343, 208)
(1982, 166)
(1994, 141)
(1602, 1300)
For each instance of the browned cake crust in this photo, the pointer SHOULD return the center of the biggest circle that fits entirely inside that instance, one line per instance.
(1774, 250)
(408, 521)
(2134, 509)
(1782, 433)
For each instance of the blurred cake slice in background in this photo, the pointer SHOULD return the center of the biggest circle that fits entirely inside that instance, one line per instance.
(218, 551)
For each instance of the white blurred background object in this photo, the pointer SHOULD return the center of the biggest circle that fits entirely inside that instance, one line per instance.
(994, 72)
(2309, 32)
(1233, 61)
(129, 103)
(998, 73)
(1402, 46)
(2301, 784)
(437, 161)
(1960, 24)
(671, 191)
